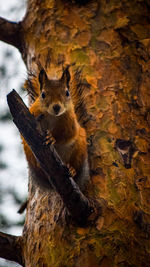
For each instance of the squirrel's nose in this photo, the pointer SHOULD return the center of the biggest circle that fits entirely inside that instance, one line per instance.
(56, 108)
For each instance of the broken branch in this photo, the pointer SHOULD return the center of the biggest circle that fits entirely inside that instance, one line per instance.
(11, 248)
(57, 173)
(10, 32)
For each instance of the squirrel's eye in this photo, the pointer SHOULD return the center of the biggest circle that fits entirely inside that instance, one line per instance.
(43, 95)
(67, 93)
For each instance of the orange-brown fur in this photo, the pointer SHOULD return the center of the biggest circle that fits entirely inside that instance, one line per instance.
(70, 137)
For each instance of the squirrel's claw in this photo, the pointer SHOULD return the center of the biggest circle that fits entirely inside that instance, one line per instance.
(49, 139)
(71, 170)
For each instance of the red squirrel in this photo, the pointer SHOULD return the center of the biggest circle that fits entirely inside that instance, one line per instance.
(55, 113)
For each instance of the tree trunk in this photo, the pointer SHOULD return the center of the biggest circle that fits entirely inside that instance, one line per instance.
(110, 42)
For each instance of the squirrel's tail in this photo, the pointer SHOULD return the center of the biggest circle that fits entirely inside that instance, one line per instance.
(79, 90)
(32, 86)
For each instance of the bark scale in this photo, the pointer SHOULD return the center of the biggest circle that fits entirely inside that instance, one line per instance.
(110, 41)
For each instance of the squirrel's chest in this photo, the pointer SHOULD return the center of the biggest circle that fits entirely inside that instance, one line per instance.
(65, 151)
(64, 136)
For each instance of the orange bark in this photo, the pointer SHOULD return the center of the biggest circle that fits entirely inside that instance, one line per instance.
(110, 42)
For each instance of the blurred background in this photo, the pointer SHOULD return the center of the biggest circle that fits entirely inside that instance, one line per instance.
(13, 167)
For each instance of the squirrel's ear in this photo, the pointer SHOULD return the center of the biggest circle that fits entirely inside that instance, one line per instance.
(42, 78)
(66, 76)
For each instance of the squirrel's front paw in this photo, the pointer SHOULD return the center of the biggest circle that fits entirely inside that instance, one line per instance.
(40, 117)
(49, 139)
(71, 170)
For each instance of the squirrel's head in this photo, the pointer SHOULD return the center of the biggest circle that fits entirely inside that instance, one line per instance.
(55, 96)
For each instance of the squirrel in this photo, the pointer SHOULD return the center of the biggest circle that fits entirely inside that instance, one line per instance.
(54, 110)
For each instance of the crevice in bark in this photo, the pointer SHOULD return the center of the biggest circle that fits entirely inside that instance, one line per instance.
(57, 173)
(78, 2)
(126, 150)
(11, 248)
(10, 32)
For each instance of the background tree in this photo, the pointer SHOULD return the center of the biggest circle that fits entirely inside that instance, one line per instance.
(12, 161)
(109, 41)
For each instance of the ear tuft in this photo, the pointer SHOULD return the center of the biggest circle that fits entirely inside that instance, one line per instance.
(42, 78)
(66, 76)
